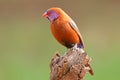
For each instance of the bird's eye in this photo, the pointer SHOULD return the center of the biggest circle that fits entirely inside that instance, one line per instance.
(48, 12)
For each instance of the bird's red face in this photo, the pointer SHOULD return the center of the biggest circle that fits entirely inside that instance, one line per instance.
(51, 15)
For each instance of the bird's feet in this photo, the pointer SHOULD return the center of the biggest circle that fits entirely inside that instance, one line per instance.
(75, 48)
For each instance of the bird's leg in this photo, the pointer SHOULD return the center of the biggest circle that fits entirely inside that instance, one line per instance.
(78, 49)
(75, 47)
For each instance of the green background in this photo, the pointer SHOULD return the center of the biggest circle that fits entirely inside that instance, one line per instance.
(27, 45)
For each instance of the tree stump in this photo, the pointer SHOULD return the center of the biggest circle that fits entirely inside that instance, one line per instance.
(72, 66)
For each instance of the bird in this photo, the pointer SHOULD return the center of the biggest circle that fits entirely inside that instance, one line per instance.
(63, 28)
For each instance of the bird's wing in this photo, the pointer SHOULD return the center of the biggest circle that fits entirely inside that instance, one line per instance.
(74, 26)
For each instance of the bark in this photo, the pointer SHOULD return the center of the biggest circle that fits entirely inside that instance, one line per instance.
(72, 66)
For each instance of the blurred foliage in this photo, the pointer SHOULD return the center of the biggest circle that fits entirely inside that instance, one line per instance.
(26, 43)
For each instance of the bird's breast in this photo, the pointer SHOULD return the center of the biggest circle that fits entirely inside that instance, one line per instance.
(64, 34)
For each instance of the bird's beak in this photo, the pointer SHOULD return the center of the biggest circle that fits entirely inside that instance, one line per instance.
(45, 15)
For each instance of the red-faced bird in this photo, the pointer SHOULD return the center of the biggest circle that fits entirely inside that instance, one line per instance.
(64, 28)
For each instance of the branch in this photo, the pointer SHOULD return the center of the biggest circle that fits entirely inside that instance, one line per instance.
(72, 66)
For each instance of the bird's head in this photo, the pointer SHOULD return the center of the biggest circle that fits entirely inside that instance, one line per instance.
(52, 13)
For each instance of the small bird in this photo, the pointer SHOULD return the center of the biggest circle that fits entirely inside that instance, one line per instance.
(64, 28)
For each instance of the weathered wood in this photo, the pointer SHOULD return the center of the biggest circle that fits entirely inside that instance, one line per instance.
(71, 66)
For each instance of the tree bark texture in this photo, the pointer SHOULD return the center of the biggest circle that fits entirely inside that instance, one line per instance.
(72, 66)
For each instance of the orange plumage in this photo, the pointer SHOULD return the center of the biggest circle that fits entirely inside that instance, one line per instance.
(64, 28)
